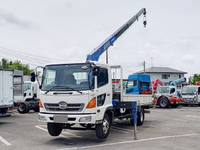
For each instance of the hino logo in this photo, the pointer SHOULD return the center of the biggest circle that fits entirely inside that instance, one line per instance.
(62, 105)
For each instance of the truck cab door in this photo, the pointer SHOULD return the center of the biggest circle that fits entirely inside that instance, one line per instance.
(104, 88)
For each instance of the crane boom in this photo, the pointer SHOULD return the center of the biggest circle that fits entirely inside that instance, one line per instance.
(97, 52)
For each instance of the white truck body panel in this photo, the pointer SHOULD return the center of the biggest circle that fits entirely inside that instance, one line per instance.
(6, 88)
(142, 99)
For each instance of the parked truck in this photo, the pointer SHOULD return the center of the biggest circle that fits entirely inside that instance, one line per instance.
(10, 89)
(30, 100)
(82, 93)
(170, 95)
(191, 95)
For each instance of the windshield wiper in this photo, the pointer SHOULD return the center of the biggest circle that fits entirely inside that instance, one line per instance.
(53, 87)
(63, 87)
(73, 89)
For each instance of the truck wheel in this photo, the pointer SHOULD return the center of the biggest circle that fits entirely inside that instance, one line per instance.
(23, 108)
(140, 117)
(102, 130)
(163, 102)
(54, 129)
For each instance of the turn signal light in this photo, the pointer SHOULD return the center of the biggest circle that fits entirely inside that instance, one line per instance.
(92, 103)
(40, 104)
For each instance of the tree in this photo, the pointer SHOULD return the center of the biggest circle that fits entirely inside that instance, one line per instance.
(196, 78)
(6, 64)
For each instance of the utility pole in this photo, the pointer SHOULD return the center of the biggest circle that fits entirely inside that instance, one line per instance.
(144, 67)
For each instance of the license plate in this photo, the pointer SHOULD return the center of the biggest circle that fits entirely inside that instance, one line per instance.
(60, 118)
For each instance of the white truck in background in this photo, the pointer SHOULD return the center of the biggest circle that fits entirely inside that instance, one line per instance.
(11, 91)
(30, 100)
(82, 93)
(6, 91)
(191, 95)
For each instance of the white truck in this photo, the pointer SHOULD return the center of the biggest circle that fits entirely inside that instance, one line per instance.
(191, 95)
(6, 91)
(82, 93)
(10, 89)
(30, 100)
(167, 96)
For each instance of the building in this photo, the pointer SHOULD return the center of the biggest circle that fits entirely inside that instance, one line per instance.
(164, 74)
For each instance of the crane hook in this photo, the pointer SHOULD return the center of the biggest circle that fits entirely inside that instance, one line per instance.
(145, 21)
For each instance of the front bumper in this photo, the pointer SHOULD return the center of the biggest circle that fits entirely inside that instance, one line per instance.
(68, 118)
(175, 101)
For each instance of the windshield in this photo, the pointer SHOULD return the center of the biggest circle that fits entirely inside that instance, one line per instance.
(163, 89)
(67, 77)
(27, 86)
(188, 90)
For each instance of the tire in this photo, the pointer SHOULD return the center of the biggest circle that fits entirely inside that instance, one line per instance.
(163, 102)
(140, 118)
(23, 108)
(54, 129)
(102, 130)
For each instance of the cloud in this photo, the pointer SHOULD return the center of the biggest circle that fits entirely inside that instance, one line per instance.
(10, 18)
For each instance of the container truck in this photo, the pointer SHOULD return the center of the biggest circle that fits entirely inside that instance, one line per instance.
(10, 89)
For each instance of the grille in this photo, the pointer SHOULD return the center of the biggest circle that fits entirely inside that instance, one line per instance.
(70, 107)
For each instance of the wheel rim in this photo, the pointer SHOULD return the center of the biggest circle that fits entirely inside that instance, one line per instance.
(21, 107)
(163, 102)
(105, 126)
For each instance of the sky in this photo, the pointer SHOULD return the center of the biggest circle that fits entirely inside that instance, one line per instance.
(40, 32)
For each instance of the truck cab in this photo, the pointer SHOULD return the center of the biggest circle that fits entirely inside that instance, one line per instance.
(78, 93)
(191, 95)
(138, 84)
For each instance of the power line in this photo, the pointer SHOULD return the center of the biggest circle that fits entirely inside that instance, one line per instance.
(32, 56)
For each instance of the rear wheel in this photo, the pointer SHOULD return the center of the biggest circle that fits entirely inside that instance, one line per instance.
(54, 129)
(163, 102)
(140, 118)
(102, 130)
(23, 108)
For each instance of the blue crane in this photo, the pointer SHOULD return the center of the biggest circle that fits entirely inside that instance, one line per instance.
(97, 52)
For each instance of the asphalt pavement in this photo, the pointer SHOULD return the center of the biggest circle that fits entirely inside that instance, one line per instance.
(163, 129)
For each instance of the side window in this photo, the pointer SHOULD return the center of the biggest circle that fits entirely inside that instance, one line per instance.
(102, 78)
(172, 90)
(131, 83)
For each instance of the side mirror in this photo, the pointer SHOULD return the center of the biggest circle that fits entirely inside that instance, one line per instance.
(95, 71)
(33, 76)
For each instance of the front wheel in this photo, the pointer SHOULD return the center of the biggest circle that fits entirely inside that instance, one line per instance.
(23, 108)
(102, 130)
(163, 102)
(54, 129)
